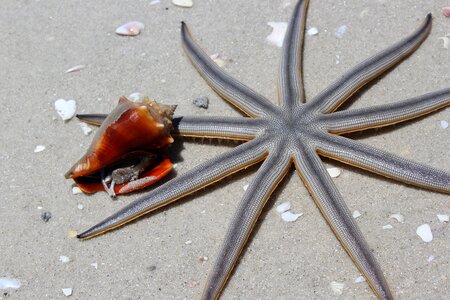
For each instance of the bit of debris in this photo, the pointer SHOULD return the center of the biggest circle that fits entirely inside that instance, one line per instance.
(65, 109)
(72, 233)
(337, 287)
(64, 259)
(203, 259)
(46, 216)
(312, 31)
(356, 214)
(360, 279)
(188, 242)
(340, 31)
(387, 226)
(151, 268)
(202, 102)
(399, 217)
(334, 172)
(424, 231)
(430, 258)
(446, 11)
(9, 283)
(85, 128)
(290, 217)
(95, 265)
(215, 57)
(130, 29)
(444, 124)
(136, 97)
(67, 292)
(39, 148)
(80, 206)
(278, 32)
(76, 190)
(446, 41)
(75, 69)
(443, 218)
(283, 207)
(183, 3)
(245, 187)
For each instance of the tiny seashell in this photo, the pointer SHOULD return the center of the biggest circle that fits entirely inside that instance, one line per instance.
(444, 124)
(356, 214)
(424, 231)
(75, 69)
(312, 31)
(430, 258)
(130, 29)
(85, 128)
(9, 283)
(39, 148)
(446, 41)
(278, 32)
(387, 226)
(360, 279)
(214, 56)
(67, 291)
(399, 217)
(443, 218)
(337, 287)
(290, 217)
(64, 259)
(183, 3)
(220, 62)
(446, 11)
(76, 190)
(65, 109)
(95, 265)
(334, 172)
(283, 207)
(340, 31)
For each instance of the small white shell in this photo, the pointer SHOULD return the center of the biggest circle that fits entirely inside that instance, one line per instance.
(444, 124)
(130, 29)
(65, 109)
(290, 217)
(76, 190)
(312, 31)
(9, 283)
(443, 218)
(64, 259)
(334, 172)
(337, 287)
(95, 265)
(356, 214)
(387, 226)
(360, 279)
(283, 207)
(430, 258)
(39, 148)
(86, 129)
(183, 3)
(278, 32)
(399, 217)
(75, 69)
(67, 292)
(424, 231)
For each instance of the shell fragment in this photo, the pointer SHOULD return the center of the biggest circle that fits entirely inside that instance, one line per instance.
(424, 231)
(65, 108)
(130, 29)
(183, 3)
(290, 217)
(278, 32)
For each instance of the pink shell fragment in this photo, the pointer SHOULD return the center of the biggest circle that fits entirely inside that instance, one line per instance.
(446, 11)
(130, 29)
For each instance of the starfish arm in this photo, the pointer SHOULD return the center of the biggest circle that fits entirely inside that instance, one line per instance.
(265, 181)
(383, 163)
(218, 127)
(93, 119)
(338, 216)
(290, 81)
(204, 174)
(238, 94)
(377, 116)
(339, 91)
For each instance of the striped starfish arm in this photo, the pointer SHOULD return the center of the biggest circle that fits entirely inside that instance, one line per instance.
(330, 202)
(265, 181)
(238, 94)
(93, 119)
(383, 163)
(218, 127)
(377, 116)
(290, 82)
(339, 91)
(204, 174)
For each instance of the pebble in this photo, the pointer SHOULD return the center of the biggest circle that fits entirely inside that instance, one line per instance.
(67, 292)
(430, 258)
(65, 108)
(76, 190)
(46, 216)
(39, 148)
(188, 242)
(245, 187)
(183, 3)
(95, 265)
(312, 31)
(72, 233)
(290, 217)
(424, 231)
(202, 102)
(75, 69)
(446, 41)
(130, 29)
(387, 226)
(360, 279)
(80, 206)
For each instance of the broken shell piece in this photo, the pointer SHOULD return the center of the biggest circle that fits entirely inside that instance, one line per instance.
(85, 128)
(183, 3)
(387, 226)
(39, 148)
(9, 283)
(443, 218)
(424, 231)
(360, 279)
(283, 207)
(130, 29)
(430, 258)
(356, 214)
(278, 32)
(290, 217)
(334, 172)
(95, 265)
(340, 31)
(76, 190)
(399, 217)
(64, 259)
(312, 31)
(446, 41)
(446, 11)
(128, 151)
(75, 69)
(444, 124)
(337, 287)
(67, 291)
(65, 109)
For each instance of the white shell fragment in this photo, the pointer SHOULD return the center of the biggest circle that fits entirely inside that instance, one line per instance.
(76, 190)
(444, 124)
(387, 226)
(283, 207)
(424, 231)
(154, 2)
(9, 283)
(360, 279)
(356, 214)
(443, 218)
(446, 11)
(278, 32)
(399, 217)
(130, 29)
(312, 31)
(80, 206)
(65, 109)
(430, 258)
(337, 287)
(85, 128)
(290, 217)
(95, 265)
(39, 148)
(67, 292)
(245, 187)
(334, 172)
(64, 259)
(446, 41)
(340, 31)
(75, 69)
(188, 242)
(183, 3)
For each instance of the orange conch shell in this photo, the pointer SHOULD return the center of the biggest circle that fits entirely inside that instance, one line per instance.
(131, 130)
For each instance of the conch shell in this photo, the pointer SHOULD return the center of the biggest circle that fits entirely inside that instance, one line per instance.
(128, 151)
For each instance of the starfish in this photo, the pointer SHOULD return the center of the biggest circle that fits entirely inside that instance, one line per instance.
(294, 132)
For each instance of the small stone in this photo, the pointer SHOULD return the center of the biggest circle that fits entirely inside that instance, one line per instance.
(85, 128)
(67, 292)
(202, 102)
(278, 32)
(356, 214)
(39, 148)
(424, 231)
(64, 259)
(283, 207)
(151, 268)
(245, 187)
(72, 233)
(46, 216)
(80, 206)
(9, 283)
(430, 258)
(203, 259)
(183, 3)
